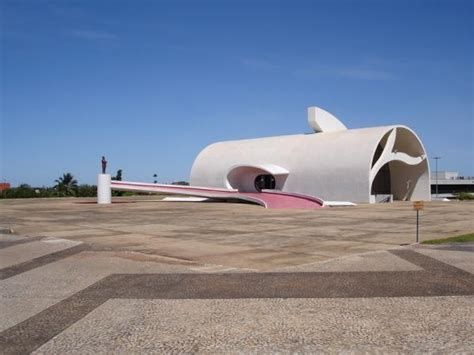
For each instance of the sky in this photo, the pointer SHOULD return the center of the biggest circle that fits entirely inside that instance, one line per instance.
(149, 84)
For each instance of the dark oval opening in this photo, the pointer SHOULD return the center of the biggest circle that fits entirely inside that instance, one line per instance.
(265, 182)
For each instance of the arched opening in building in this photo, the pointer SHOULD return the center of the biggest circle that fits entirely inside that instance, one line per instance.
(382, 184)
(265, 182)
(401, 167)
(246, 178)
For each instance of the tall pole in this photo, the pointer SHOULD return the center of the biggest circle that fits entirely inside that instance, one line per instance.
(417, 223)
(436, 160)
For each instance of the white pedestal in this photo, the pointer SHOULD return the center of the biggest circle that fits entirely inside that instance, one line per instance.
(104, 192)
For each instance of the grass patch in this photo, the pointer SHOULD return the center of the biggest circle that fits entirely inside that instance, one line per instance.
(458, 239)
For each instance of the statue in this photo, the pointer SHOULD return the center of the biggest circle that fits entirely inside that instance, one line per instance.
(104, 164)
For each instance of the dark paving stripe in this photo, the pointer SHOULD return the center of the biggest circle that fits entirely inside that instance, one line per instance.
(428, 263)
(30, 334)
(438, 279)
(286, 285)
(40, 261)
(10, 243)
(458, 247)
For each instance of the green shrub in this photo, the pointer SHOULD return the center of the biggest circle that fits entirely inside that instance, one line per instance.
(184, 183)
(85, 190)
(465, 196)
(22, 191)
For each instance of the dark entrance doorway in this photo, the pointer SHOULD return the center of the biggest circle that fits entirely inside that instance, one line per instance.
(264, 182)
(381, 184)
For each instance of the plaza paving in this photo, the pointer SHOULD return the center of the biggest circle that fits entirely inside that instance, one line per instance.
(151, 276)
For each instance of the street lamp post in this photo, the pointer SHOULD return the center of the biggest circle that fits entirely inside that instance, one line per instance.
(436, 172)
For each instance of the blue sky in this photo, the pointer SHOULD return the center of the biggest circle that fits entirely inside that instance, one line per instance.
(149, 84)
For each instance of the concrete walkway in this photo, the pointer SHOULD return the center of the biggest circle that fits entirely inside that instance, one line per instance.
(265, 198)
(90, 301)
(80, 279)
(234, 235)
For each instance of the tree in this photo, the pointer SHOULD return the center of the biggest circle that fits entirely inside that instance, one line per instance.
(118, 177)
(86, 191)
(22, 191)
(66, 185)
(185, 183)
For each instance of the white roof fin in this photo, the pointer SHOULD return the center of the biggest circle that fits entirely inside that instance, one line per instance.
(322, 121)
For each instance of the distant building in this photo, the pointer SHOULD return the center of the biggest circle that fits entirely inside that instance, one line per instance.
(450, 183)
(445, 175)
(4, 186)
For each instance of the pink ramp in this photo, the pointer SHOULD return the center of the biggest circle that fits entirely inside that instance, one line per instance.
(267, 198)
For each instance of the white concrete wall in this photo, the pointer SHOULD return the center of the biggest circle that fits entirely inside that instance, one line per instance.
(332, 166)
(104, 192)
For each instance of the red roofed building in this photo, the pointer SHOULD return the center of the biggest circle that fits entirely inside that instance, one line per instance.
(4, 186)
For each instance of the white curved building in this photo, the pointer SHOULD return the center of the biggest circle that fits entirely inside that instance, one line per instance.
(333, 163)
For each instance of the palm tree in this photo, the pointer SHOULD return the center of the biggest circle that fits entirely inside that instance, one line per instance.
(66, 185)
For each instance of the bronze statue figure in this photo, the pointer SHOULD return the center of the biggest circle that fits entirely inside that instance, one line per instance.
(104, 164)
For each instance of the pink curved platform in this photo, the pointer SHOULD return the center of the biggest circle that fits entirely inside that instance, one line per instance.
(266, 198)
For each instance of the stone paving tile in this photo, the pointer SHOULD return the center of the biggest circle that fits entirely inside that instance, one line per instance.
(27, 251)
(37, 330)
(261, 259)
(154, 228)
(461, 259)
(244, 227)
(28, 293)
(4, 237)
(270, 240)
(34, 263)
(81, 233)
(10, 240)
(41, 219)
(224, 244)
(450, 226)
(30, 228)
(436, 278)
(217, 224)
(371, 261)
(272, 325)
(313, 231)
(337, 248)
(185, 249)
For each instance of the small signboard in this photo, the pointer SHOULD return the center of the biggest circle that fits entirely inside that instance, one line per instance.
(418, 205)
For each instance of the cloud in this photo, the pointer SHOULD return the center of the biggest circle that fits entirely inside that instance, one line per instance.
(93, 35)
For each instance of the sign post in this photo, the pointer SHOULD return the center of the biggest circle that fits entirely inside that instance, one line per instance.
(417, 206)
